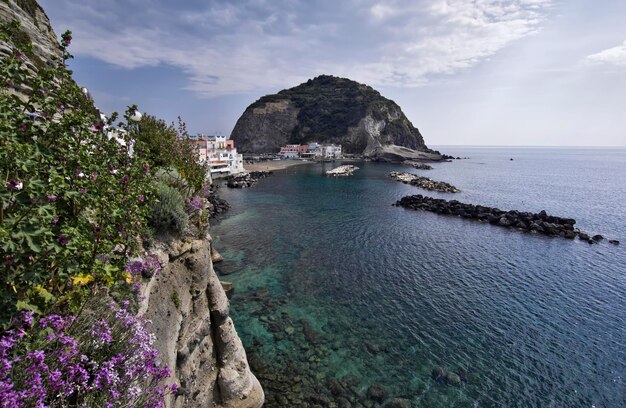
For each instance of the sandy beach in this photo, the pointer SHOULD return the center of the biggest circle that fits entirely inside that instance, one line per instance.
(273, 165)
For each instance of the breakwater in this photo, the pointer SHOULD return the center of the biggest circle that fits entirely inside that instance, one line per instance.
(540, 223)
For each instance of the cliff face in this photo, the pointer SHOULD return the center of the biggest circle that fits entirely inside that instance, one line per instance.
(186, 303)
(195, 336)
(328, 109)
(34, 27)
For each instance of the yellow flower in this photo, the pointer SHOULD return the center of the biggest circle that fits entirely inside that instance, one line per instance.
(82, 279)
(129, 278)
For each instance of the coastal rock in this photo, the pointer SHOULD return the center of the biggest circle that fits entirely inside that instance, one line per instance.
(346, 170)
(244, 180)
(377, 392)
(195, 336)
(438, 374)
(423, 182)
(398, 403)
(540, 223)
(329, 109)
(215, 256)
(418, 165)
(217, 205)
(453, 379)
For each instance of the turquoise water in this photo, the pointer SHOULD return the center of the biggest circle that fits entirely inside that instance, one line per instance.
(337, 290)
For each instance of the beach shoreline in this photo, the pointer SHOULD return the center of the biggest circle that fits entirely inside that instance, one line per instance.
(275, 165)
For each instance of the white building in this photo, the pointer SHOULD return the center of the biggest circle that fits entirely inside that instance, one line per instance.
(220, 153)
(330, 151)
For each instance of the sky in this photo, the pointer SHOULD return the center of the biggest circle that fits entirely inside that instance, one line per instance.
(465, 72)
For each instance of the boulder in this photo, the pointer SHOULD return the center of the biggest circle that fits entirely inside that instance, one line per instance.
(438, 374)
(453, 379)
(377, 392)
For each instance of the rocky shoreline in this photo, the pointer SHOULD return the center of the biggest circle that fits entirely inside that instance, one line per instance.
(246, 179)
(423, 182)
(539, 223)
(418, 165)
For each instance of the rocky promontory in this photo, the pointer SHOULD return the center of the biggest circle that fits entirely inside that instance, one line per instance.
(423, 182)
(540, 223)
(328, 109)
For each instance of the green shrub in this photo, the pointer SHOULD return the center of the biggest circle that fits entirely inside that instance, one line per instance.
(167, 213)
(170, 177)
(72, 199)
(168, 147)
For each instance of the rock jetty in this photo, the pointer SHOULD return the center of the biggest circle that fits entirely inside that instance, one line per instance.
(423, 182)
(418, 165)
(540, 223)
(246, 179)
(346, 170)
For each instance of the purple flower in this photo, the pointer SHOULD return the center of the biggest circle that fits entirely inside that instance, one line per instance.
(62, 239)
(124, 180)
(55, 220)
(146, 167)
(102, 332)
(15, 185)
(82, 190)
(196, 203)
(141, 198)
(51, 198)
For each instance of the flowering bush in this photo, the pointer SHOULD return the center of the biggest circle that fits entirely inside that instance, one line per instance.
(102, 358)
(73, 191)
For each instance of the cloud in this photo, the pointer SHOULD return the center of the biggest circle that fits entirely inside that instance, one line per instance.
(225, 47)
(612, 56)
(382, 11)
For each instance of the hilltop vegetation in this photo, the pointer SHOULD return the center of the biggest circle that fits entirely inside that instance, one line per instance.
(325, 109)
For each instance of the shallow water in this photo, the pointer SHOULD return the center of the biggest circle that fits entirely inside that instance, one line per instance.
(334, 283)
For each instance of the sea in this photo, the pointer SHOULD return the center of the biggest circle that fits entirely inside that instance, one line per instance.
(342, 299)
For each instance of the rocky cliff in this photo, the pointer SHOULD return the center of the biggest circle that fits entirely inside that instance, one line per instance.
(186, 303)
(195, 336)
(329, 109)
(34, 27)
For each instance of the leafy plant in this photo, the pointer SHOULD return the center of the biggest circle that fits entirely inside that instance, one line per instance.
(73, 191)
(167, 213)
(168, 147)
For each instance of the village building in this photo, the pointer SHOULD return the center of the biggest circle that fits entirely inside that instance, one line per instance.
(220, 153)
(311, 151)
(293, 151)
(330, 151)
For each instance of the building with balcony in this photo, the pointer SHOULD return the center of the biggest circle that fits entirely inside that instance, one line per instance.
(220, 153)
